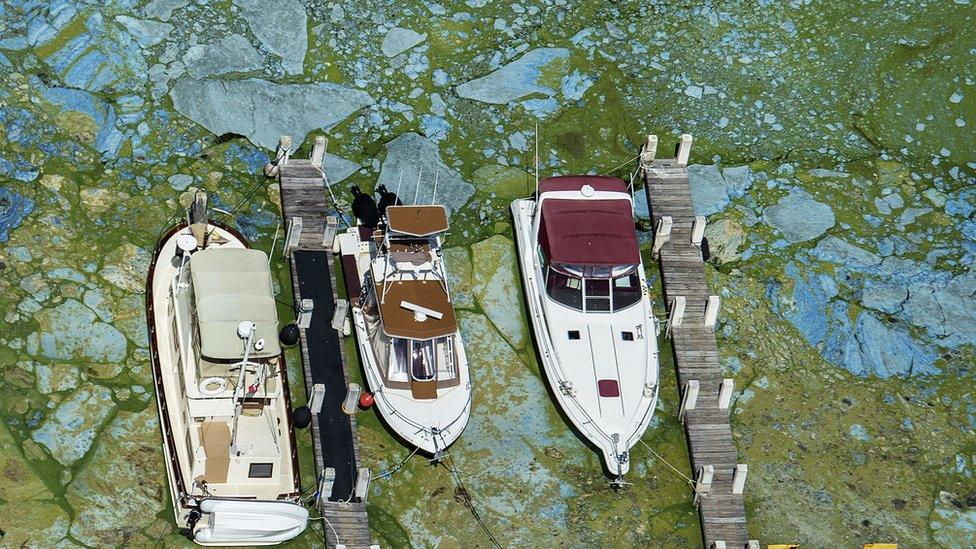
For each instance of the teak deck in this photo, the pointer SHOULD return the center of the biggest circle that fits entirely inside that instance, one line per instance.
(709, 434)
(323, 358)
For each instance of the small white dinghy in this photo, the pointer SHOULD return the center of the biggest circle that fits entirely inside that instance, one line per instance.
(221, 388)
(406, 330)
(591, 314)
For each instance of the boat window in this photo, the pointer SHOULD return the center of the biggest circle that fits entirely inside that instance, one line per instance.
(564, 289)
(597, 294)
(260, 470)
(422, 360)
(446, 359)
(626, 291)
(398, 362)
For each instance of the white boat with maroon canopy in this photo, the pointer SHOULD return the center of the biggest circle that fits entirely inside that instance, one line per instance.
(405, 325)
(221, 389)
(591, 313)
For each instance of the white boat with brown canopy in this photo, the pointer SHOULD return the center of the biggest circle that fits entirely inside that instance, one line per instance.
(591, 313)
(221, 388)
(405, 325)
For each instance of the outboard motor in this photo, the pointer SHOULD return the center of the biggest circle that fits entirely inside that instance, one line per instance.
(387, 198)
(364, 208)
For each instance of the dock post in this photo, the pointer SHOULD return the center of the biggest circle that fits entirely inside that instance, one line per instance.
(718, 544)
(329, 233)
(753, 544)
(649, 151)
(676, 314)
(282, 154)
(698, 230)
(739, 478)
(352, 398)
(318, 396)
(292, 236)
(704, 483)
(711, 310)
(362, 484)
(684, 149)
(305, 313)
(318, 151)
(662, 235)
(328, 480)
(339, 316)
(725, 394)
(689, 399)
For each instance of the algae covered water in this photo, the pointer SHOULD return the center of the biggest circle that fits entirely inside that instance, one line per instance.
(834, 156)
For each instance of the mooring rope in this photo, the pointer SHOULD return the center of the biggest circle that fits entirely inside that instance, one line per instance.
(456, 476)
(615, 168)
(673, 468)
(334, 533)
(388, 474)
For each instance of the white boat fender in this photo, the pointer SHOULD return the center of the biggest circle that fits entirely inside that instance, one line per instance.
(213, 386)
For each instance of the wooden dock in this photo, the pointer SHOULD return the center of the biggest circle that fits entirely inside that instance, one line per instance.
(706, 418)
(335, 445)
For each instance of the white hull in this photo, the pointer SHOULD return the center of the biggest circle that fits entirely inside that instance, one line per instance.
(187, 446)
(429, 424)
(613, 425)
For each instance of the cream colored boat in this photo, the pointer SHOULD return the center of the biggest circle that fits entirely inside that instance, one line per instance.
(222, 390)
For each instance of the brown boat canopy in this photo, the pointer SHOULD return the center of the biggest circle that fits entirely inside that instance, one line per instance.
(398, 321)
(417, 221)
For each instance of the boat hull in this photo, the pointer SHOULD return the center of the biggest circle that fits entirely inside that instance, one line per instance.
(185, 502)
(615, 436)
(431, 424)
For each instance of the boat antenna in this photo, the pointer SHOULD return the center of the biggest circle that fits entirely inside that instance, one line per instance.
(399, 181)
(433, 195)
(416, 191)
(537, 161)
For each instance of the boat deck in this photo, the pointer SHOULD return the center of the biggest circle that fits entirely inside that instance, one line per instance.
(709, 433)
(323, 358)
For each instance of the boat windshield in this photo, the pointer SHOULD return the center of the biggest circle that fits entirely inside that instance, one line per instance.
(593, 294)
(414, 357)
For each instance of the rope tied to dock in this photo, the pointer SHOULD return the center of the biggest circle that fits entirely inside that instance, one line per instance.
(672, 467)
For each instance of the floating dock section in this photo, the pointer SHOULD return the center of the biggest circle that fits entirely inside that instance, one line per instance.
(705, 395)
(308, 248)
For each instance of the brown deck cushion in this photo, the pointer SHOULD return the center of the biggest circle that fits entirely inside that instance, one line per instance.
(215, 436)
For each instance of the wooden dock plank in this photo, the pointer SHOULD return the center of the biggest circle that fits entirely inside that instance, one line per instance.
(695, 352)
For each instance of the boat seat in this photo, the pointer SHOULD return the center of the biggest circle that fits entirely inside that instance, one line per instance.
(215, 439)
(413, 257)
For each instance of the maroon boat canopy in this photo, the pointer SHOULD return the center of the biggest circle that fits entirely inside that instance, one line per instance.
(588, 233)
(576, 182)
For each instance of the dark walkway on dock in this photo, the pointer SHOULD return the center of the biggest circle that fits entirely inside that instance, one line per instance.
(322, 344)
(303, 196)
(722, 513)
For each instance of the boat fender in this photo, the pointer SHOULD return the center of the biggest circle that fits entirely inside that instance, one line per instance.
(301, 417)
(366, 400)
(289, 335)
(213, 386)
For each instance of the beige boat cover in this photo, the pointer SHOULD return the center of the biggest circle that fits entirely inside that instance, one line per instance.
(232, 285)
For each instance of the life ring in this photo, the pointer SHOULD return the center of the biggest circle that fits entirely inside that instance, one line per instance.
(213, 386)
